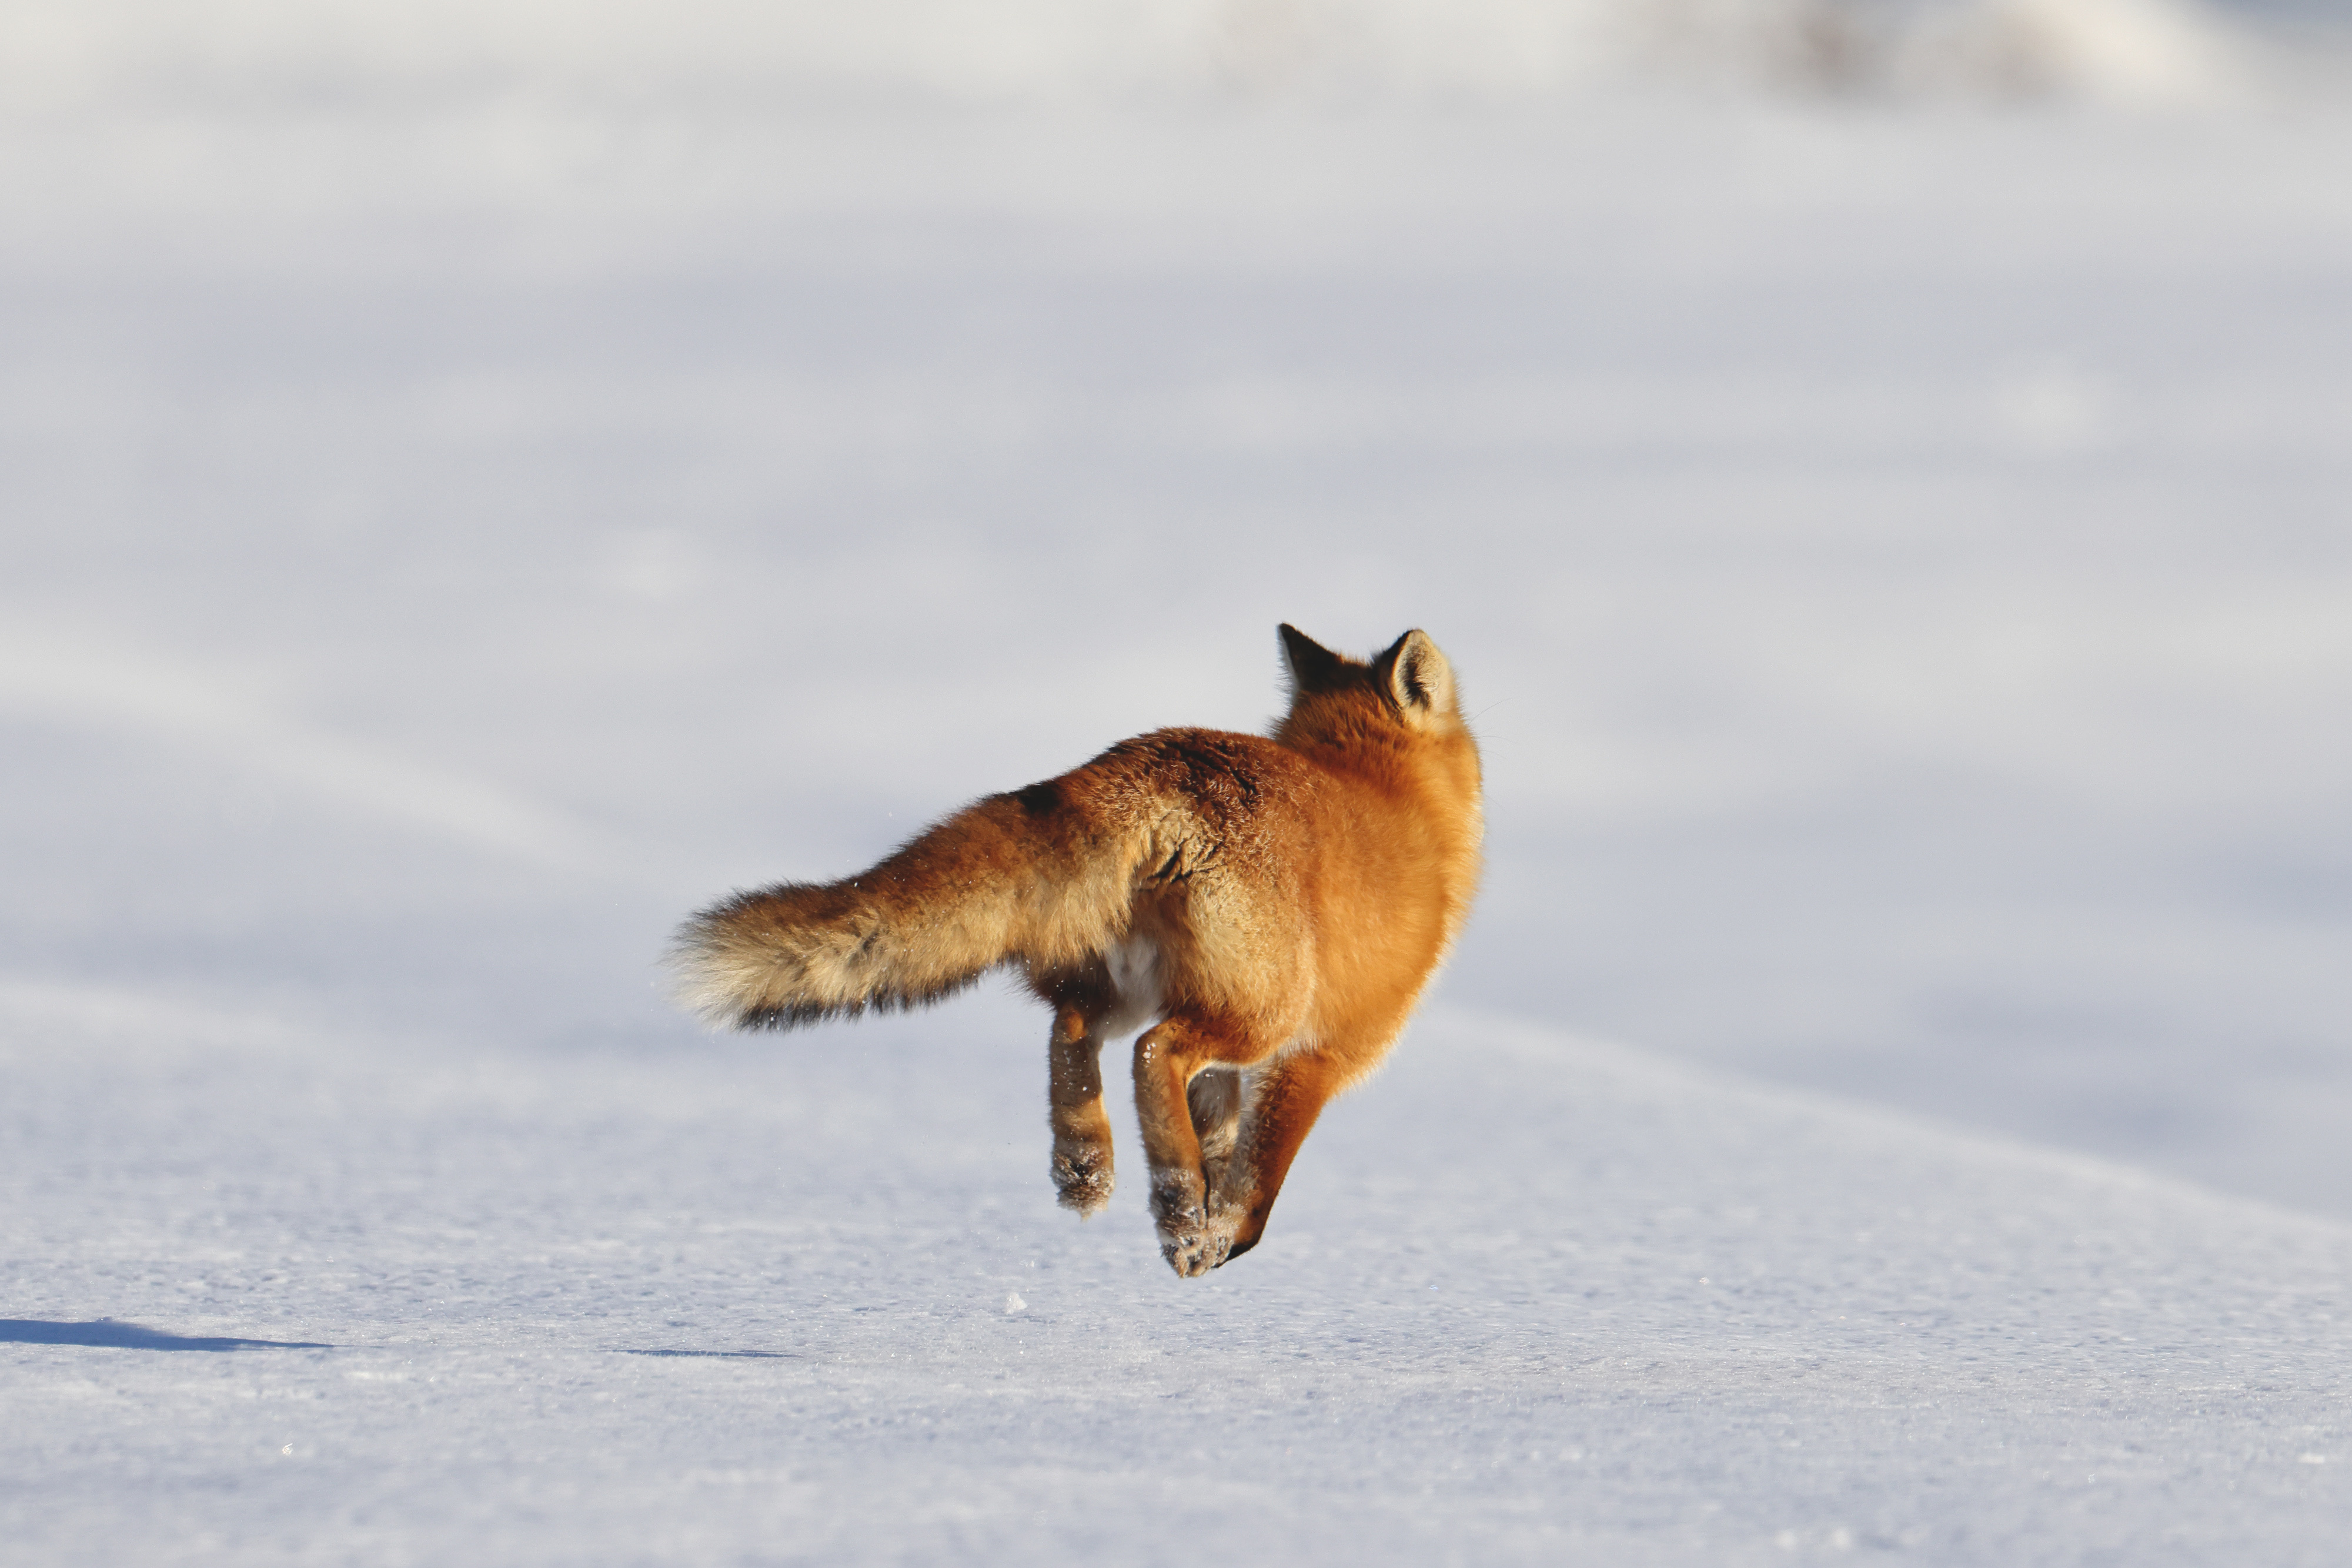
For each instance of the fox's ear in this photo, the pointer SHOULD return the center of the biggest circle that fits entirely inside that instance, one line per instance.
(1418, 680)
(1313, 668)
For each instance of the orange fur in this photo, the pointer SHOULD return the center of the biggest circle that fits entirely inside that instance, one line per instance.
(1272, 906)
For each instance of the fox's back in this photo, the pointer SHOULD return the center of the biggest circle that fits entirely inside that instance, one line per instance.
(1324, 883)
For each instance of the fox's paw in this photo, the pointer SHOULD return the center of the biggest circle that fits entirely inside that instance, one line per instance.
(1195, 1243)
(1194, 1237)
(1082, 1176)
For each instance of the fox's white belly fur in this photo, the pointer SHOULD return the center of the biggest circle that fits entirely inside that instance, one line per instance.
(1135, 980)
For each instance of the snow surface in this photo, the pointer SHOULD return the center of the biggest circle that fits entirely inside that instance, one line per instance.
(459, 518)
(1525, 1300)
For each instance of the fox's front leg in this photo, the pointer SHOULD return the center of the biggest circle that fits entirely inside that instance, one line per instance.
(1194, 1234)
(1283, 1100)
(1082, 1157)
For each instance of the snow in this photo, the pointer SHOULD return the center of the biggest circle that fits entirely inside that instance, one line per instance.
(465, 509)
(718, 1300)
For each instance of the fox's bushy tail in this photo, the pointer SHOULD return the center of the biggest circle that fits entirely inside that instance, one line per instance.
(1012, 878)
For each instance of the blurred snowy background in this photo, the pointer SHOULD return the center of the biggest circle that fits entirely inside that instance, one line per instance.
(480, 479)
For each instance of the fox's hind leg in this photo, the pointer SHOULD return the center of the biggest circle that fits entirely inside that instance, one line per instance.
(1169, 1058)
(1214, 1100)
(1081, 1159)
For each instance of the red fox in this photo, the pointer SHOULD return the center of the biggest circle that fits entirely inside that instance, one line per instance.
(1271, 907)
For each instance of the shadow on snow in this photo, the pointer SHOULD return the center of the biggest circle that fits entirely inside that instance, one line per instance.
(112, 1336)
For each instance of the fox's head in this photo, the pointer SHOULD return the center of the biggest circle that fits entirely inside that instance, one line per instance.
(1405, 690)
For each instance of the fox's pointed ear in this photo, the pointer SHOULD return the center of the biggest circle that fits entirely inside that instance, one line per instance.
(1313, 668)
(1418, 680)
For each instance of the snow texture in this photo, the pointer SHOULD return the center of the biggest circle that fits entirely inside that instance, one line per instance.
(724, 1301)
(474, 492)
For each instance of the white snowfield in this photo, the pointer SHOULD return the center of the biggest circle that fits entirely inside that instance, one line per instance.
(1527, 1300)
(478, 481)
